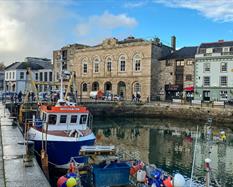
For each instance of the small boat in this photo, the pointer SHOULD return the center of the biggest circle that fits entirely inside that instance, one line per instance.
(64, 129)
(61, 130)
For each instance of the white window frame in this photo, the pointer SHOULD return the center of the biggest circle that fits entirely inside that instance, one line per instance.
(21, 73)
(137, 63)
(85, 68)
(137, 88)
(122, 63)
(223, 81)
(204, 81)
(206, 67)
(109, 64)
(223, 67)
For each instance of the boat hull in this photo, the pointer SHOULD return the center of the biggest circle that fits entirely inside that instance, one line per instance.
(60, 149)
(61, 152)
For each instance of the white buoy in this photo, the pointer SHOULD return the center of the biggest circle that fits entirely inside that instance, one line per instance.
(178, 180)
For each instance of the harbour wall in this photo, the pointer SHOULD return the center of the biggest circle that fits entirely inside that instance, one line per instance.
(222, 116)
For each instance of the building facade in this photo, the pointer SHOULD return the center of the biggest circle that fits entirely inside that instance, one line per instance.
(214, 71)
(16, 75)
(123, 68)
(176, 77)
(2, 80)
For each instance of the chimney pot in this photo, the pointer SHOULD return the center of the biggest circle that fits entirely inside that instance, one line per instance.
(173, 42)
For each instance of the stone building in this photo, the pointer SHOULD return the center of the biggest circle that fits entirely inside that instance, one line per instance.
(16, 74)
(213, 71)
(121, 68)
(176, 77)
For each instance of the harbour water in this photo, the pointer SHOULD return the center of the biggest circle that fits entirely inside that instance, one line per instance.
(169, 144)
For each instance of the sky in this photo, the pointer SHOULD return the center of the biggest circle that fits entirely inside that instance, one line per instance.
(37, 27)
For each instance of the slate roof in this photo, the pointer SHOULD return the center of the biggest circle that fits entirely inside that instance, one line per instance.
(217, 44)
(33, 63)
(184, 52)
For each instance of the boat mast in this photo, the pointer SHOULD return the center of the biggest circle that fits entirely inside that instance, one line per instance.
(61, 77)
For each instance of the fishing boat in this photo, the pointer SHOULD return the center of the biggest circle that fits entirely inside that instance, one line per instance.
(61, 130)
(64, 129)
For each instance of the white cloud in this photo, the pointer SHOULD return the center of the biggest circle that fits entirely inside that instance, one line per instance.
(36, 28)
(98, 27)
(135, 4)
(29, 28)
(217, 10)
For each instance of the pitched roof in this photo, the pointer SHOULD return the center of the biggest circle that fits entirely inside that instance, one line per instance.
(184, 52)
(220, 43)
(33, 63)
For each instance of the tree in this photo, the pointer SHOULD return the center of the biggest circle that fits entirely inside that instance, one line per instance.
(2, 66)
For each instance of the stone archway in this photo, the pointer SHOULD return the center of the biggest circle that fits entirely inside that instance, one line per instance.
(95, 86)
(108, 87)
(121, 89)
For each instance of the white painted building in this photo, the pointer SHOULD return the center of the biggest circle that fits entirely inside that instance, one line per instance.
(16, 75)
(214, 71)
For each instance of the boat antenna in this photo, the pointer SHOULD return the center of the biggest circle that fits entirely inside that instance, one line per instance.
(61, 100)
(194, 156)
(61, 77)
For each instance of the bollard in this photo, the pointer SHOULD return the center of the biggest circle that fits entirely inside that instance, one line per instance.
(28, 157)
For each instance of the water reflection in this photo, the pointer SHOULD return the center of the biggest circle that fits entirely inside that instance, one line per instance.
(169, 144)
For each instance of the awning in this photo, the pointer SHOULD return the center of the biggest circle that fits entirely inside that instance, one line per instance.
(190, 88)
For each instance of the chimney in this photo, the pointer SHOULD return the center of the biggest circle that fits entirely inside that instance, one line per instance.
(173, 42)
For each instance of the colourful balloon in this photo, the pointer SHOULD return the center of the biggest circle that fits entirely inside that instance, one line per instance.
(71, 182)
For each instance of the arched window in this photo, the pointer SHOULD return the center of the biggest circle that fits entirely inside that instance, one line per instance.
(84, 65)
(95, 86)
(96, 65)
(122, 63)
(137, 88)
(137, 62)
(109, 64)
(84, 87)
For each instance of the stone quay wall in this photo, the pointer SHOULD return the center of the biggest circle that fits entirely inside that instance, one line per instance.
(221, 116)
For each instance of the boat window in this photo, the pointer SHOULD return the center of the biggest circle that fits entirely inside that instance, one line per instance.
(52, 119)
(73, 119)
(83, 119)
(63, 119)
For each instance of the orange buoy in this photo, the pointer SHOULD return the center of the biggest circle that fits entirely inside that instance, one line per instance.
(167, 182)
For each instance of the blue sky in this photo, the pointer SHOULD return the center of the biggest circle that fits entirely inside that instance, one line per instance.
(37, 27)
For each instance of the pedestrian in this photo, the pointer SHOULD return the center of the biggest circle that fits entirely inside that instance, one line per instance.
(133, 97)
(32, 96)
(20, 96)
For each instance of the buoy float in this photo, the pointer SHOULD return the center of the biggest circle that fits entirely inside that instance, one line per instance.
(179, 180)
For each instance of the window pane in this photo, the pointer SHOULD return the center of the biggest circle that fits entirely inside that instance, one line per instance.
(206, 67)
(63, 119)
(73, 119)
(206, 81)
(223, 66)
(52, 119)
(83, 119)
(84, 68)
(122, 65)
(188, 77)
(84, 87)
(223, 81)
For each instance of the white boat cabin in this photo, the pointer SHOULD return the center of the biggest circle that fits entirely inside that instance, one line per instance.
(64, 118)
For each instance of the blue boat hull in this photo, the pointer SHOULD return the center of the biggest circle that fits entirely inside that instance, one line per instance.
(60, 152)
